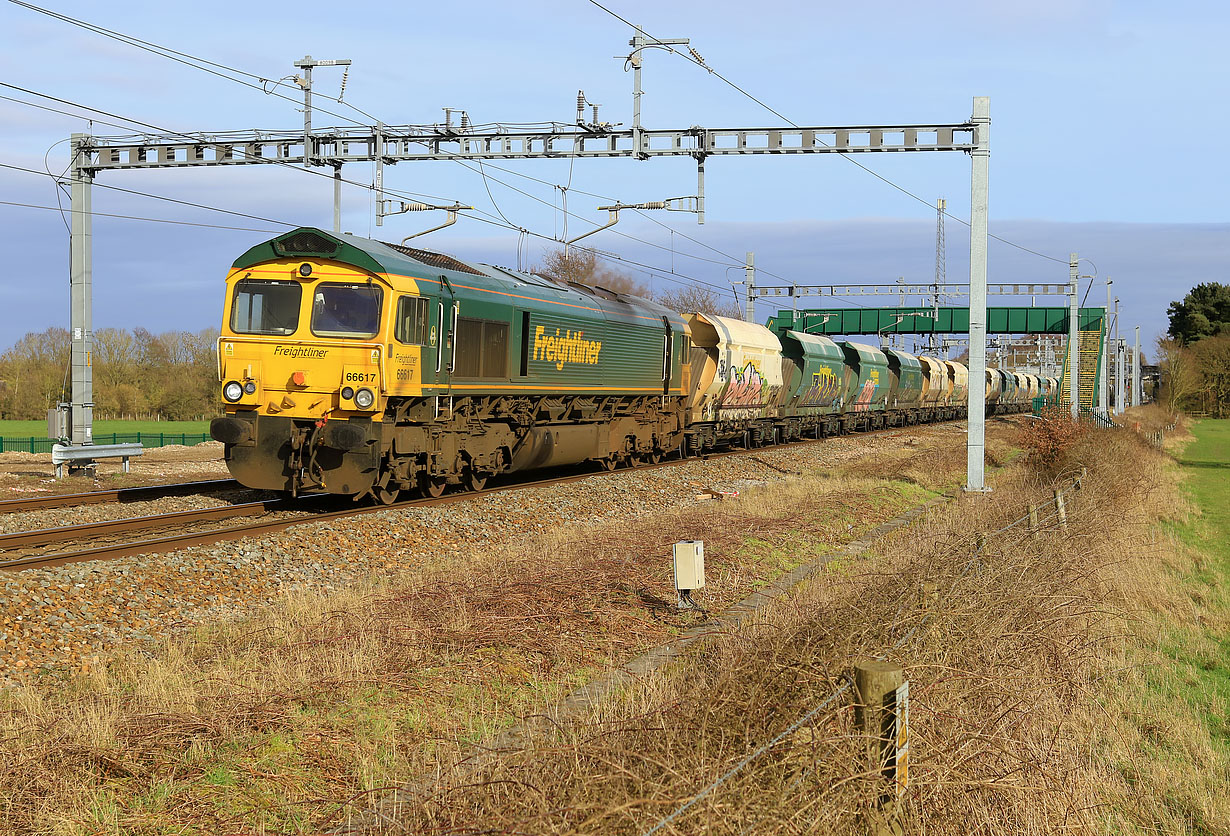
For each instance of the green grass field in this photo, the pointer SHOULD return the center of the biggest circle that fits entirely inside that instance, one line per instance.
(38, 429)
(1202, 657)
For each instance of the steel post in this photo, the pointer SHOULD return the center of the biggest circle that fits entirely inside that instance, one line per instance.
(1103, 395)
(1136, 370)
(337, 198)
(700, 189)
(1074, 353)
(980, 164)
(378, 156)
(307, 113)
(1121, 389)
(750, 270)
(81, 274)
(638, 45)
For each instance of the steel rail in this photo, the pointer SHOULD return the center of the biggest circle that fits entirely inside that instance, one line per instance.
(36, 503)
(198, 538)
(45, 536)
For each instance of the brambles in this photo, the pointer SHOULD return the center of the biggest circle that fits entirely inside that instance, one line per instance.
(1049, 440)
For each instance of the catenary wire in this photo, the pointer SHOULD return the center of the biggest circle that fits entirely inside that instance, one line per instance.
(791, 122)
(171, 54)
(132, 217)
(394, 192)
(180, 57)
(156, 197)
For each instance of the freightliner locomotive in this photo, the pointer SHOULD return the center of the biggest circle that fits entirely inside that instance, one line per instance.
(357, 367)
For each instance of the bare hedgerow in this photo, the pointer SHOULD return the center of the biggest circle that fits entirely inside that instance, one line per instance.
(1009, 649)
(1049, 440)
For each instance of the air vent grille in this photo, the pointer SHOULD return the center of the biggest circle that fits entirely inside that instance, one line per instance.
(306, 243)
(438, 260)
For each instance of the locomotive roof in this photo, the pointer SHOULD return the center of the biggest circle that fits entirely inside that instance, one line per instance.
(381, 257)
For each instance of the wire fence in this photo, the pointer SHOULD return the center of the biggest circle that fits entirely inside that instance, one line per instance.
(44, 445)
(1047, 516)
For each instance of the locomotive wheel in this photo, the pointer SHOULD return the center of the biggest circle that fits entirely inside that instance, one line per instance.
(609, 464)
(383, 491)
(655, 456)
(475, 482)
(385, 495)
(433, 487)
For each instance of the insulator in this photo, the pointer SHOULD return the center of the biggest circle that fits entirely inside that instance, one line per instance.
(654, 204)
(415, 207)
(580, 106)
(697, 56)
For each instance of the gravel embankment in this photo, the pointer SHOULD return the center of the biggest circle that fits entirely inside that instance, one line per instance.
(68, 617)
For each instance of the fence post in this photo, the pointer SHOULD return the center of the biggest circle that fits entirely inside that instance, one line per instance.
(1033, 522)
(875, 688)
(1062, 509)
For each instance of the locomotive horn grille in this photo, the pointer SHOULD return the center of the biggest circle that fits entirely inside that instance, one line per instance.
(305, 243)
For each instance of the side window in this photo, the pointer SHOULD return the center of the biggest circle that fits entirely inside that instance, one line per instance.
(411, 325)
(482, 348)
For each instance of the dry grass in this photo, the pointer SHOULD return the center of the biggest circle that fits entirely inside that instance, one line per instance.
(284, 724)
(1022, 702)
(1024, 672)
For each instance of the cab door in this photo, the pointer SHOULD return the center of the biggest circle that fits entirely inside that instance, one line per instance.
(442, 346)
(668, 347)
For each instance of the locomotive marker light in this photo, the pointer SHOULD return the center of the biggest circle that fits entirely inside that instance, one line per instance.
(689, 560)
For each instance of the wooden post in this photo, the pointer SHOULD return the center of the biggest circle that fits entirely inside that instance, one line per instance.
(1062, 509)
(875, 689)
(1033, 522)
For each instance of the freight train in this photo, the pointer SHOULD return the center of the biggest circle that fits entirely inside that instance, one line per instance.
(362, 368)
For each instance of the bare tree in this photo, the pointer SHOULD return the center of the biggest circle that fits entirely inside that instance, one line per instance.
(582, 266)
(1179, 377)
(695, 299)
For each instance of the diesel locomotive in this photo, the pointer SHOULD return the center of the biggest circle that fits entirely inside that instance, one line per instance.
(357, 367)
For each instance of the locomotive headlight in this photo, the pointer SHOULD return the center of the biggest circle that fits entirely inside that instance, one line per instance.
(232, 391)
(364, 398)
(347, 393)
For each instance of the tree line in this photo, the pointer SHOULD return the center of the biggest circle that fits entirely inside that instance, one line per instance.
(138, 374)
(1194, 356)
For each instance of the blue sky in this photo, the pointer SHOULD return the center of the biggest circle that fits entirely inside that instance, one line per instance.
(1107, 121)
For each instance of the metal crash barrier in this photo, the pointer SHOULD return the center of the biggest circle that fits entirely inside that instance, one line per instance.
(86, 454)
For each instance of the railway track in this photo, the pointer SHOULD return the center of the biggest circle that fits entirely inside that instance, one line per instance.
(141, 494)
(150, 541)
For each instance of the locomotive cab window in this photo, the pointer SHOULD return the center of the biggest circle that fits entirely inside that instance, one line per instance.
(265, 307)
(411, 327)
(346, 310)
(482, 348)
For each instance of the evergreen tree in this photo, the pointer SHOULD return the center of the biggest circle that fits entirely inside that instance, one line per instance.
(1204, 312)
